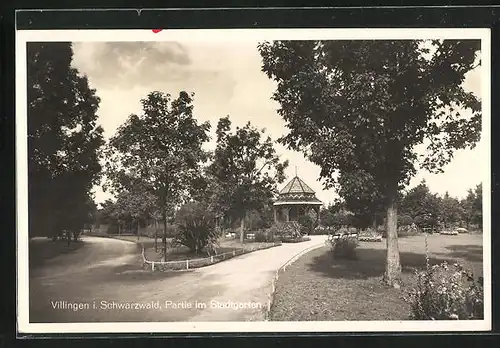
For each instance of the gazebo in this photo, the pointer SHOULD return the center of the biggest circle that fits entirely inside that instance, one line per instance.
(295, 199)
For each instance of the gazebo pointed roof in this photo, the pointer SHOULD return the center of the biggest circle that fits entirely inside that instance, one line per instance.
(296, 185)
(297, 192)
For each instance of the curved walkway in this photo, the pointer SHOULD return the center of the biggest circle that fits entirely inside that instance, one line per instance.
(103, 282)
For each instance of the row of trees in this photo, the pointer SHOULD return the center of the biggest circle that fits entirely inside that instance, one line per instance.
(156, 162)
(153, 164)
(416, 206)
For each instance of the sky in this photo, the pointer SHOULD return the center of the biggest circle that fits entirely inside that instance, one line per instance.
(226, 78)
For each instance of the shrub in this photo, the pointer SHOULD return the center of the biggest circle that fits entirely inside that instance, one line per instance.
(265, 236)
(196, 227)
(443, 293)
(308, 224)
(290, 229)
(404, 220)
(408, 230)
(343, 246)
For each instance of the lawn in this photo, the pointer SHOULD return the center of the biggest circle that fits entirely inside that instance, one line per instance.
(42, 249)
(317, 287)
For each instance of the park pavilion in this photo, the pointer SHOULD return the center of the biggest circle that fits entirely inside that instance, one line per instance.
(296, 199)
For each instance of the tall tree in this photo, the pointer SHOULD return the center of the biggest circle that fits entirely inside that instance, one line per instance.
(64, 140)
(472, 206)
(362, 197)
(136, 206)
(361, 107)
(246, 170)
(450, 210)
(160, 151)
(422, 206)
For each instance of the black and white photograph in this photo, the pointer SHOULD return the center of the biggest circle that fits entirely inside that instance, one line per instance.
(257, 180)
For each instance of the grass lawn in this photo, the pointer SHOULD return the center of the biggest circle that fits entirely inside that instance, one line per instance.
(42, 249)
(317, 287)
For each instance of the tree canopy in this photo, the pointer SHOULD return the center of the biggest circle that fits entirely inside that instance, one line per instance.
(159, 151)
(359, 109)
(245, 170)
(64, 140)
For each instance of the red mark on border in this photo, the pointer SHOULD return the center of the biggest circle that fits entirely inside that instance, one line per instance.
(157, 30)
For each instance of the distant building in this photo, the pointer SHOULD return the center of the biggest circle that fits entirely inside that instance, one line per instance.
(296, 199)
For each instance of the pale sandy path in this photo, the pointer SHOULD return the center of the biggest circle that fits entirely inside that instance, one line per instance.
(107, 270)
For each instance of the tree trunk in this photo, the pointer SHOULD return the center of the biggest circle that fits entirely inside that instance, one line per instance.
(242, 230)
(374, 224)
(68, 237)
(164, 236)
(393, 265)
(138, 231)
(156, 236)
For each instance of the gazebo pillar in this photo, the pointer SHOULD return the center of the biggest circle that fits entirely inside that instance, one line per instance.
(275, 214)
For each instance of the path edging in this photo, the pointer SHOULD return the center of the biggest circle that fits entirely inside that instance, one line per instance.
(283, 269)
(211, 260)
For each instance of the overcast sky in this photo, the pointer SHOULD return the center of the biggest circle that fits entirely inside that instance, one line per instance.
(227, 80)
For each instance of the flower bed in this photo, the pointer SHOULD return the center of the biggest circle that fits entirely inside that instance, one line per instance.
(295, 240)
(449, 233)
(368, 238)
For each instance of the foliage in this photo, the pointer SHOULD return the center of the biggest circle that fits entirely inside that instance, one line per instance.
(472, 206)
(196, 226)
(408, 230)
(343, 246)
(308, 224)
(444, 292)
(299, 239)
(450, 211)
(359, 108)
(266, 235)
(160, 151)
(422, 206)
(404, 220)
(256, 221)
(290, 229)
(244, 172)
(64, 140)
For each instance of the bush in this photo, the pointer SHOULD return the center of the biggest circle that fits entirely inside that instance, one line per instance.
(290, 229)
(295, 239)
(196, 227)
(265, 236)
(307, 223)
(443, 293)
(404, 220)
(343, 246)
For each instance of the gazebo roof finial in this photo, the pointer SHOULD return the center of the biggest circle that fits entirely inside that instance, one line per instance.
(296, 171)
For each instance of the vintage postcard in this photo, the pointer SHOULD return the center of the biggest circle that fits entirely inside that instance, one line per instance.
(257, 180)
